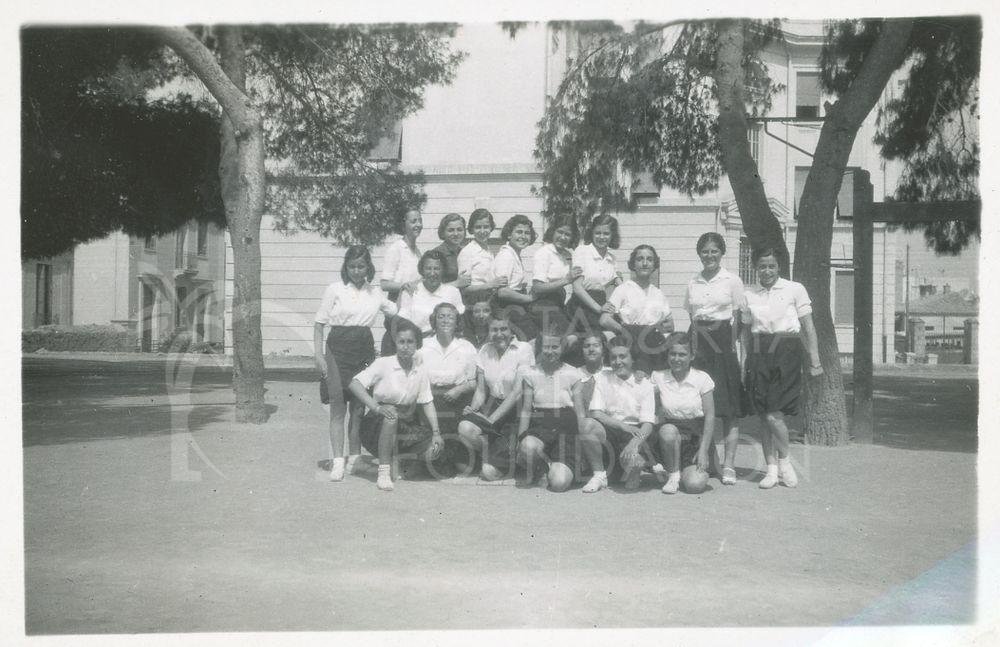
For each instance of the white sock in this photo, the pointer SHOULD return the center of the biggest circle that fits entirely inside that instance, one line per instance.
(772, 470)
(602, 473)
(338, 461)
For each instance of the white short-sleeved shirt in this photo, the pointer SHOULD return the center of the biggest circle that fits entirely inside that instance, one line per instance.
(477, 262)
(448, 366)
(501, 371)
(417, 307)
(596, 268)
(551, 391)
(344, 304)
(718, 299)
(776, 310)
(631, 402)
(391, 384)
(640, 307)
(400, 263)
(508, 263)
(549, 265)
(682, 400)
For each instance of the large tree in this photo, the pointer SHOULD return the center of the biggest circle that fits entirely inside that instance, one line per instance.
(673, 99)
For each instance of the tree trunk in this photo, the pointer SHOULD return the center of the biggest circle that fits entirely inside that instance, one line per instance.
(826, 412)
(760, 225)
(241, 174)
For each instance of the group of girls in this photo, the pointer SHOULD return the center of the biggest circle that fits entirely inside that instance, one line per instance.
(582, 372)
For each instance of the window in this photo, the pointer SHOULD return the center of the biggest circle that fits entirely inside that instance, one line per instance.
(389, 148)
(43, 294)
(748, 274)
(179, 246)
(926, 328)
(753, 138)
(149, 243)
(845, 198)
(843, 294)
(180, 318)
(807, 95)
(202, 239)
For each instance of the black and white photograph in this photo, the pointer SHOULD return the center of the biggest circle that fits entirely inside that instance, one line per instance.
(418, 324)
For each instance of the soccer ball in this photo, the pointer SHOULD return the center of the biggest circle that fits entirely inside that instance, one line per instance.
(694, 480)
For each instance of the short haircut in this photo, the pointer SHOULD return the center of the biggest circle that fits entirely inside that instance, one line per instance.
(549, 333)
(432, 255)
(514, 221)
(401, 220)
(444, 305)
(481, 214)
(448, 219)
(354, 252)
(599, 337)
(563, 220)
(711, 237)
(678, 338)
(401, 325)
(598, 221)
(767, 250)
(635, 252)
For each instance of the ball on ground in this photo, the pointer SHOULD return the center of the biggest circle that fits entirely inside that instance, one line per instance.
(560, 477)
(694, 480)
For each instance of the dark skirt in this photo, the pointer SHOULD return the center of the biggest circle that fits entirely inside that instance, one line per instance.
(352, 349)
(715, 354)
(501, 438)
(558, 431)
(522, 322)
(549, 312)
(583, 319)
(412, 438)
(449, 414)
(774, 373)
(648, 346)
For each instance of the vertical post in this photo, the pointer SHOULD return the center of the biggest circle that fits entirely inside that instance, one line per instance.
(970, 344)
(864, 240)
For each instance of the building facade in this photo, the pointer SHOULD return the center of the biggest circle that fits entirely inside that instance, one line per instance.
(474, 141)
(155, 286)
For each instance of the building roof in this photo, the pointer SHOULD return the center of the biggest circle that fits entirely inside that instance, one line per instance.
(947, 303)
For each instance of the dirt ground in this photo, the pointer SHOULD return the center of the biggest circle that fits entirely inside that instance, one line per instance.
(147, 510)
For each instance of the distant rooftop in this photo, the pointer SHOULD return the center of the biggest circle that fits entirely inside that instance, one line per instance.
(962, 303)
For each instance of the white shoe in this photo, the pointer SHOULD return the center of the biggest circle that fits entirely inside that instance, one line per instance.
(384, 481)
(770, 479)
(786, 473)
(673, 483)
(597, 482)
(337, 469)
(490, 473)
(349, 466)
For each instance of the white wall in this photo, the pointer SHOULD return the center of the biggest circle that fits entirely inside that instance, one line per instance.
(101, 280)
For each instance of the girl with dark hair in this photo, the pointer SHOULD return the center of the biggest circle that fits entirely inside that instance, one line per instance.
(598, 276)
(349, 309)
(417, 306)
(399, 270)
(554, 275)
(392, 388)
(451, 231)
(476, 259)
(643, 311)
(476, 324)
(713, 299)
(778, 318)
(518, 234)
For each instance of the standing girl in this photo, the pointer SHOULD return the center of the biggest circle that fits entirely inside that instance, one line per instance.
(779, 315)
(643, 311)
(553, 276)
(597, 278)
(476, 260)
(451, 231)
(517, 234)
(714, 297)
(349, 309)
(400, 269)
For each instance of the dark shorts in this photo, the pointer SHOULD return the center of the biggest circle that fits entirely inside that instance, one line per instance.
(617, 441)
(583, 319)
(712, 344)
(690, 431)
(501, 439)
(774, 373)
(412, 438)
(550, 314)
(648, 346)
(559, 432)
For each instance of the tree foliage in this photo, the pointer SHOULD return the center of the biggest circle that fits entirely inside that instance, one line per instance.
(932, 124)
(639, 99)
(97, 155)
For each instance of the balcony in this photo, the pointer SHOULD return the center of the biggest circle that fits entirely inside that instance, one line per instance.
(186, 265)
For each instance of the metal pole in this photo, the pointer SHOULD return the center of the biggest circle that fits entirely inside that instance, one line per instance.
(864, 235)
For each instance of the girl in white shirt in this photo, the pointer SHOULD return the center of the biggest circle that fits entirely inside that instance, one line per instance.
(391, 429)
(598, 276)
(553, 275)
(400, 266)
(517, 234)
(430, 291)
(348, 309)
(643, 311)
(713, 299)
(778, 318)
(688, 413)
(476, 260)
